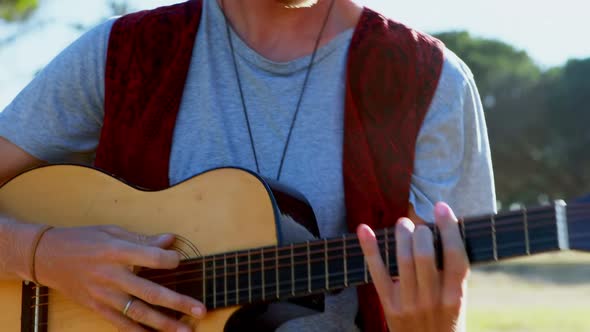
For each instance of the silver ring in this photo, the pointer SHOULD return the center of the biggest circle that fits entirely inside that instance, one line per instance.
(127, 306)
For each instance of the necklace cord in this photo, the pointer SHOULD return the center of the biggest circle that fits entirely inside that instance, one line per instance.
(299, 101)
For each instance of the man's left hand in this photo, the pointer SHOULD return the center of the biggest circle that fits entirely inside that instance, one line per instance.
(423, 299)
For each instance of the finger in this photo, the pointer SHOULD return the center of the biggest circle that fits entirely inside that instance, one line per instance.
(405, 261)
(157, 295)
(119, 321)
(145, 256)
(142, 313)
(379, 274)
(456, 265)
(159, 240)
(425, 263)
(427, 275)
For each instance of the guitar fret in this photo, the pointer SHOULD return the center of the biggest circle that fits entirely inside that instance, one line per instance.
(494, 240)
(345, 261)
(204, 282)
(526, 231)
(237, 279)
(263, 274)
(387, 250)
(366, 270)
(277, 273)
(225, 279)
(214, 282)
(249, 276)
(326, 264)
(561, 223)
(292, 271)
(308, 269)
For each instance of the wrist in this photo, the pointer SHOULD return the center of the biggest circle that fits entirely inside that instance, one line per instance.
(33, 252)
(16, 240)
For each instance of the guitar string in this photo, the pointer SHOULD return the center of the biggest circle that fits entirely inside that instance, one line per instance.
(469, 227)
(583, 236)
(353, 237)
(484, 221)
(270, 287)
(359, 272)
(354, 254)
(319, 245)
(162, 278)
(572, 210)
(350, 249)
(270, 265)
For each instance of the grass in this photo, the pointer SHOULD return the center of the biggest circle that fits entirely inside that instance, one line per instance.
(543, 293)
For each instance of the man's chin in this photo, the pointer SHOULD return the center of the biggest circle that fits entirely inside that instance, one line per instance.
(298, 3)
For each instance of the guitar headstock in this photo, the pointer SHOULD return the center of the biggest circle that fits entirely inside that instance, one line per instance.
(578, 220)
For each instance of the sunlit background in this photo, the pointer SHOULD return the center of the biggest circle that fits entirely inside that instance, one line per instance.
(531, 60)
(550, 32)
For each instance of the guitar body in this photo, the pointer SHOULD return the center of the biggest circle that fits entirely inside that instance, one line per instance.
(227, 226)
(218, 211)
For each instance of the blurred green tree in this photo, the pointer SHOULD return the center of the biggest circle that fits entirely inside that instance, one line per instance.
(537, 120)
(11, 10)
(502, 71)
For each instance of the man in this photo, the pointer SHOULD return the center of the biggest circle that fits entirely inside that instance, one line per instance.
(265, 90)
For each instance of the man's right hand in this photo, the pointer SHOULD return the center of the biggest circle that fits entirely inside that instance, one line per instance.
(94, 267)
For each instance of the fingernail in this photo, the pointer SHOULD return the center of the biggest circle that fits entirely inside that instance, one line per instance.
(405, 223)
(164, 237)
(442, 210)
(157, 238)
(184, 329)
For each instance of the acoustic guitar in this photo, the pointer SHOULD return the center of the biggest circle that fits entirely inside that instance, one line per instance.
(248, 263)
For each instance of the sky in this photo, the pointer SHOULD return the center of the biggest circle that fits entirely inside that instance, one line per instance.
(551, 32)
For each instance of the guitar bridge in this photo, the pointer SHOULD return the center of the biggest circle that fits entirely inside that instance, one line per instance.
(34, 307)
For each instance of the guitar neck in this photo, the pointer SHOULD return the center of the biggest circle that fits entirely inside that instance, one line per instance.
(516, 234)
(272, 273)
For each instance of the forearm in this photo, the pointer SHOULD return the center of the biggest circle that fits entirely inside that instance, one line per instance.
(16, 241)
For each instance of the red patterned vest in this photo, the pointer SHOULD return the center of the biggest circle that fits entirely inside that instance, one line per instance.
(392, 75)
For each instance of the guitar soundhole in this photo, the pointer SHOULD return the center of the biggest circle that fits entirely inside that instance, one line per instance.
(186, 248)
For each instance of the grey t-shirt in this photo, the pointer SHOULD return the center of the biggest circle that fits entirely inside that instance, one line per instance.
(58, 117)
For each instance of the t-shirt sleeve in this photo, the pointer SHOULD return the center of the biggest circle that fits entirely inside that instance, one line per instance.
(453, 162)
(58, 116)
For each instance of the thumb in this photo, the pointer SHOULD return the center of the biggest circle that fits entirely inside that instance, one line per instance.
(159, 240)
(163, 241)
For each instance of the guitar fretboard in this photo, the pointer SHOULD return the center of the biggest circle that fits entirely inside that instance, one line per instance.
(280, 272)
